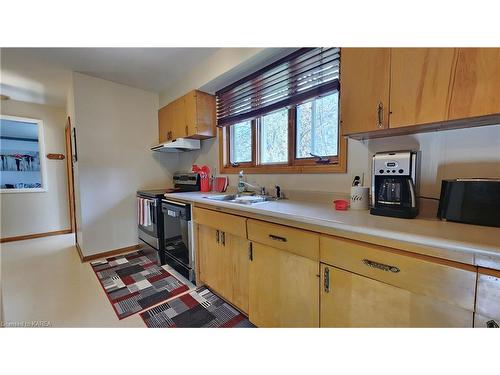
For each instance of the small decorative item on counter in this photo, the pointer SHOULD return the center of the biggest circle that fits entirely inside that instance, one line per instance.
(204, 173)
(341, 205)
(359, 197)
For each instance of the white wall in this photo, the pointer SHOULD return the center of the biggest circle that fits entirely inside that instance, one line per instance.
(473, 152)
(30, 213)
(221, 69)
(116, 126)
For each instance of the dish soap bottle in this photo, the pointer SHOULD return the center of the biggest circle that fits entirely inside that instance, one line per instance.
(241, 184)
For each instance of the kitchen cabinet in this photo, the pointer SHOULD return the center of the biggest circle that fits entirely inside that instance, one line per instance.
(476, 84)
(421, 83)
(283, 290)
(223, 255)
(191, 116)
(447, 281)
(364, 89)
(488, 298)
(393, 91)
(351, 300)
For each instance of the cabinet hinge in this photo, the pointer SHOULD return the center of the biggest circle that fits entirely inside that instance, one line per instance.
(250, 251)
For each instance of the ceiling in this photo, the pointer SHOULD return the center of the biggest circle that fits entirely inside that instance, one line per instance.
(43, 75)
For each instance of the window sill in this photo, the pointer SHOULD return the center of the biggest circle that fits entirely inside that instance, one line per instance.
(279, 169)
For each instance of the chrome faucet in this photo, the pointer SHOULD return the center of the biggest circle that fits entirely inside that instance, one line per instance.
(242, 185)
(261, 189)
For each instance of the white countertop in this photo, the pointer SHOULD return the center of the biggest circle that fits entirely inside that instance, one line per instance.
(476, 241)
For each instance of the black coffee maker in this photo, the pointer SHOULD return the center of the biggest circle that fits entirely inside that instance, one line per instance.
(394, 184)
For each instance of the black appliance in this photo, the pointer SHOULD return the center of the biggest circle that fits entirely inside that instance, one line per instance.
(151, 232)
(471, 201)
(178, 237)
(395, 184)
(186, 182)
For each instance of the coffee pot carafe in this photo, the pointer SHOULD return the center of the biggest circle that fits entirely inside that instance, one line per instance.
(394, 184)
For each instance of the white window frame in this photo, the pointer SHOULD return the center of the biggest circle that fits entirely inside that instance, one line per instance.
(41, 150)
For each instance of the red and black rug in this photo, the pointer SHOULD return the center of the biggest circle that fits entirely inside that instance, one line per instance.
(134, 282)
(198, 309)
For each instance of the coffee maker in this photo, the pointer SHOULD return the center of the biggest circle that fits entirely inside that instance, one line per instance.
(395, 184)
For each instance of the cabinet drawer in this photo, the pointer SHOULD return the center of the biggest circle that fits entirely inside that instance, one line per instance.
(225, 222)
(351, 300)
(450, 282)
(488, 293)
(296, 241)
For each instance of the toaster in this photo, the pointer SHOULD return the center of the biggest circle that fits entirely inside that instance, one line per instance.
(471, 201)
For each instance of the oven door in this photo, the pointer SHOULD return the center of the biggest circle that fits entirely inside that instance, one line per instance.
(177, 222)
(148, 231)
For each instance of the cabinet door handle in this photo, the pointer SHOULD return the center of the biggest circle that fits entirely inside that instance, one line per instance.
(217, 236)
(326, 280)
(277, 238)
(381, 266)
(380, 115)
(250, 251)
(491, 324)
(223, 238)
(187, 130)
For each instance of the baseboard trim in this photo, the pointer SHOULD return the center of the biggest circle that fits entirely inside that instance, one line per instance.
(35, 235)
(106, 254)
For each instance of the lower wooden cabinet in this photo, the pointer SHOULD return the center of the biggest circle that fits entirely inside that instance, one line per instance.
(283, 289)
(223, 264)
(351, 300)
(487, 299)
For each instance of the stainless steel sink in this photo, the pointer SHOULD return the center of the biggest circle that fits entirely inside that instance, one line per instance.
(241, 199)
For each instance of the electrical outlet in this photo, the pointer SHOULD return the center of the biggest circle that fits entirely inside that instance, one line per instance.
(361, 175)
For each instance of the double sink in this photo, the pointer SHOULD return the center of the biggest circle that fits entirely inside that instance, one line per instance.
(242, 199)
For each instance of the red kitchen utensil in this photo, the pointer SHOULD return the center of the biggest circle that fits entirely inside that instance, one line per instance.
(341, 205)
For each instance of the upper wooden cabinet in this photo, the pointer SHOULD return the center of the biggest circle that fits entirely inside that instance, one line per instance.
(421, 84)
(477, 83)
(364, 90)
(191, 116)
(389, 91)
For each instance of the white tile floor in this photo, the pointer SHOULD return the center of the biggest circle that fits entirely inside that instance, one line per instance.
(44, 280)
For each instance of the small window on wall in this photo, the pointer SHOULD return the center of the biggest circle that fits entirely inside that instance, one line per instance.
(22, 153)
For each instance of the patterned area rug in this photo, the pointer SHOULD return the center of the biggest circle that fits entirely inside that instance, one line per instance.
(199, 308)
(134, 282)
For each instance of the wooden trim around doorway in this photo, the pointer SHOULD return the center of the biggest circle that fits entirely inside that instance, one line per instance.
(69, 173)
(35, 235)
(106, 254)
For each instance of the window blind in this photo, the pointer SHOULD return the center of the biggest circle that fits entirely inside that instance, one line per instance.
(302, 75)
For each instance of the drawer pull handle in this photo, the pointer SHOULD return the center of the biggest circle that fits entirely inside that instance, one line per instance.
(381, 266)
(326, 281)
(277, 238)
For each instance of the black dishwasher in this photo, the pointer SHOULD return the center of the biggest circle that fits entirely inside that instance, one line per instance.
(178, 234)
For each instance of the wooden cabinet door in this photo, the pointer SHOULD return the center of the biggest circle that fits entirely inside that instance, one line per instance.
(235, 267)
(179, 119)
(223, 264)
(487, 298)
(421, 83)
(476, 84)
(165, 123)
(351, 300)
(211, 258)
(364, 89)
(283, 289)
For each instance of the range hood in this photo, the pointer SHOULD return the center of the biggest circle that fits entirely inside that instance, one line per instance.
(178, 145)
